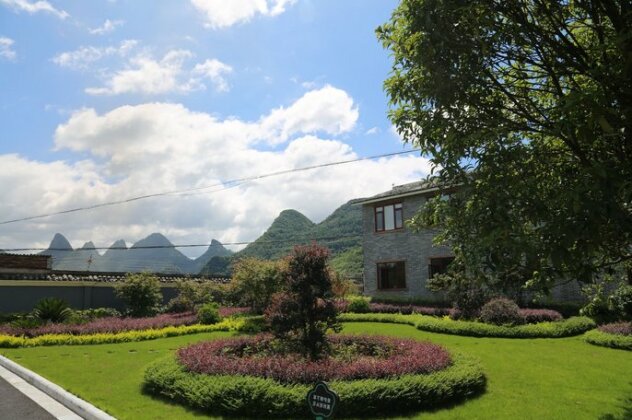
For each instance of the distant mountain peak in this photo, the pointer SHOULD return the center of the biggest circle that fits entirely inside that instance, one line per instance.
(88, 245)
(120, 244)
(60, 242)
(154, 239)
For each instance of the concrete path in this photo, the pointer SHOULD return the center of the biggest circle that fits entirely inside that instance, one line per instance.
(22, 401)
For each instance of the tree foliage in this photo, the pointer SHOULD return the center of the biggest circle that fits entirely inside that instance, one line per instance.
(141, 293)
(304, 311)
(526, 106)
(254, 281)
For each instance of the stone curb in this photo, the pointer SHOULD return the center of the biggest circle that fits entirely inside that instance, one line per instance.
(73, 403)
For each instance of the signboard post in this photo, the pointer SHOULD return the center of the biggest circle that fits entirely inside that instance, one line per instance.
(322, 401)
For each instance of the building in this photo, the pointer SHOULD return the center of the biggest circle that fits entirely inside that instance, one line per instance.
(397, 261)
(27, 264)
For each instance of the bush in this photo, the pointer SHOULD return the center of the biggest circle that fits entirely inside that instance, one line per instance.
(606, 339)
(533, 316)
(52, 309)
(254, 282)
(466, 294)
(141, 293)
(88, 315)
(620, 302)
(209, 314)
(191, 294)
(363, 357)
(566, 328)
(237, 395)
(358, 305)
(501, 311)
(619, 328)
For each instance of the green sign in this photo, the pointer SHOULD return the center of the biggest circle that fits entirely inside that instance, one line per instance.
(322, 401)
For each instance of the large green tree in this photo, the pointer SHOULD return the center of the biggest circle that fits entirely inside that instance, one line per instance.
(526, 105)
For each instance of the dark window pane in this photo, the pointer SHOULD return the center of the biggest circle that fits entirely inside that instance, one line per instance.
(379, 218)
(391, 275)
(399, 218)
(439, 266)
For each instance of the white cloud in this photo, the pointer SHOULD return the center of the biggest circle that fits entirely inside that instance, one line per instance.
(214, 70)
(107, 27)
(148, 76)
(371, 131)
(6, 49)
(34, 7)
(329, 109)
(222, 13)
(85, 56)
(153, 147)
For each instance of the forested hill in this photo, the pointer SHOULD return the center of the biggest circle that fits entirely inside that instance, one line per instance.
(341, 232)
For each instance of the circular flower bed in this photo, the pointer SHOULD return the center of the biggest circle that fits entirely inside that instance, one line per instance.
(371, 375)
(353, 357)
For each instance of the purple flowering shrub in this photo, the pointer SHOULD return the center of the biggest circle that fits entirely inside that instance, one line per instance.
(350, 357)
(618, 328)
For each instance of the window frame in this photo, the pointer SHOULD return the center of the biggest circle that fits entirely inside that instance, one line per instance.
(379, 213)
(379, 276)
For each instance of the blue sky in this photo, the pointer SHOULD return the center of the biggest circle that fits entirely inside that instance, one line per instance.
(108, 99)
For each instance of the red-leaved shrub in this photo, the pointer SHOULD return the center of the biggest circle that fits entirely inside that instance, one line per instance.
(353, 357)
(619, 328)
(533, 316)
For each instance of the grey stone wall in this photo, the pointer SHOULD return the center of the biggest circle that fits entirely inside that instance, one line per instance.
(23, 297)
(415, 249)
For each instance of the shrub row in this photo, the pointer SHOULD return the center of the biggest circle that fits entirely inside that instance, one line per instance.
(258, 397)
(615, 341)
(122, 337)
(528, 316)
(363, 357)
(565, 328)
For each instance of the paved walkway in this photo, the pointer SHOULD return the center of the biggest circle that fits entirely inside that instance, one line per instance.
(21, 401)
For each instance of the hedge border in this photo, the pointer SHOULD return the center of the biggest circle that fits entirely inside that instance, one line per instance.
(566, 328)
(614, 341)
(7, 341)
(236, 395)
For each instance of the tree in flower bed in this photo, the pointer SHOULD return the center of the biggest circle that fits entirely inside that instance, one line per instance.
(352, 357)
(301, 315)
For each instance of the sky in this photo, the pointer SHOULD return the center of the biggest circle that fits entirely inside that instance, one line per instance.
(104, 100)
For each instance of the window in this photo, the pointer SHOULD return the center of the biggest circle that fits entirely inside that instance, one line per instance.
(439, 266)
(391, 275)
(389, 217)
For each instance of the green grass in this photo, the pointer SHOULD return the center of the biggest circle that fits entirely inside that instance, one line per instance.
(528, 378)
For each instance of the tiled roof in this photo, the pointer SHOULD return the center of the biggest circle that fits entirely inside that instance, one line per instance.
(413, 188)
(55, 276)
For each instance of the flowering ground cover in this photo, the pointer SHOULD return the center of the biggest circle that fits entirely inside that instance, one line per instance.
(113, 325)
(529, 378)
(352, 357)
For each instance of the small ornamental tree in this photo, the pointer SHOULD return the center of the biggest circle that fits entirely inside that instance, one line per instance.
(302, 314)
(141, 293)
(254, 282)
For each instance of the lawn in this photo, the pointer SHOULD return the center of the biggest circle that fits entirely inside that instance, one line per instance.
(527, 378)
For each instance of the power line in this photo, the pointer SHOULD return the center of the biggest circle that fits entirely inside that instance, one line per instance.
(227, 185)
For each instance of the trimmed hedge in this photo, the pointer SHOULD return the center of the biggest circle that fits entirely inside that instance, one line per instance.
(257, 397)
(569, 327)
(615, 341)
(124, 337)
